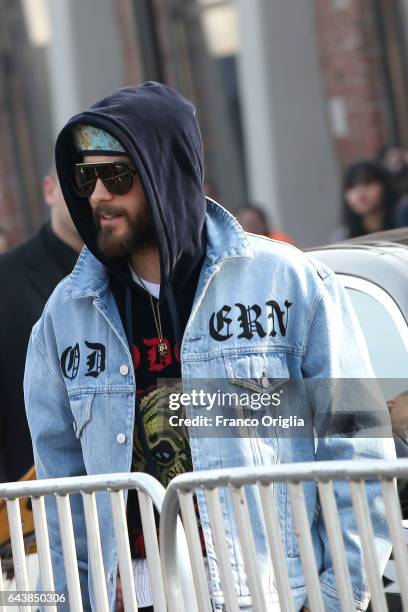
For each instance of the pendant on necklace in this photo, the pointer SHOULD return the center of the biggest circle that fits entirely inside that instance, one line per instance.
(162, 350)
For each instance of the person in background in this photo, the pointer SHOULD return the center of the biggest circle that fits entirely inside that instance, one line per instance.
(401, 214)
(3, 240)
(369, 202)
(253, 219)
(28, 275)
(395, 161)
(398, 407)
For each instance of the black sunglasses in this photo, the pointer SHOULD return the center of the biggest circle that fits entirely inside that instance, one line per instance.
(117, 177)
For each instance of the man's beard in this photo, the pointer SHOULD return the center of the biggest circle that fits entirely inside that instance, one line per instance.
(139, 235)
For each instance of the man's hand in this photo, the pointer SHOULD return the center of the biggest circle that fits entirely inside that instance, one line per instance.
(398, 408)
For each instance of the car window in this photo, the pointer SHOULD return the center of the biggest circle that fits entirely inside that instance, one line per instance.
(386, 334)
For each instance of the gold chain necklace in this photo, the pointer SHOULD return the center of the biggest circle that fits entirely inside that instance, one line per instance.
(162, 348)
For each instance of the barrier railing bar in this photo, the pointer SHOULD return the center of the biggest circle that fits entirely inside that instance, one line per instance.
(17, 546)
(86, 484)
(184, 570)
(152, 551)
(69, 552)
(168, 548)
(43, 546)
(122, 542)
(399, 546)
(306, 546)
(289, 472)
(365, 531)
(221, 549)
(284, 472)
(95, 552)
(194, 546)
(1, 578)
(338, 553)
(244, 527)
(276, 547)
(4, 608)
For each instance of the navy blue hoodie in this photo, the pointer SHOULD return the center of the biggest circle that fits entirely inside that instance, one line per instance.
(158, 129)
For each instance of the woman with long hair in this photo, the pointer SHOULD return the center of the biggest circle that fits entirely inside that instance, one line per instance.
(368, 200)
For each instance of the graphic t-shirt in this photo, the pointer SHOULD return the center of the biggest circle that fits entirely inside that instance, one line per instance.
(158, 448)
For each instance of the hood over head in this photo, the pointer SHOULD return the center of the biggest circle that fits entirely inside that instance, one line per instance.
(158, 129)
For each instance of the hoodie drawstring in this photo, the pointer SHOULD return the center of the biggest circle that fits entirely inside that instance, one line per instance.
(174, 315)
(150, 465)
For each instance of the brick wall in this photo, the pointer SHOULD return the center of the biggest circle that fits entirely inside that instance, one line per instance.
(21, 205)
(128, 38)
(10, 218)
(351, 62)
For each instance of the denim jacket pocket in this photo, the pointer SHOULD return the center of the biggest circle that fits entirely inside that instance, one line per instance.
(81, 407)
(260, 372)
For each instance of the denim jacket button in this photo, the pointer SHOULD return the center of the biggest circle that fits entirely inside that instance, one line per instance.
(124, 370)
(121, 438)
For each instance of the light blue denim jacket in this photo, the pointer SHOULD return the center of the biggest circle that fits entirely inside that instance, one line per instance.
(76, 408)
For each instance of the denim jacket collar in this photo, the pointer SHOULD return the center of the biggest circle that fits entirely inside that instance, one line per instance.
(89, 278)
(225, 240)
(225, 237)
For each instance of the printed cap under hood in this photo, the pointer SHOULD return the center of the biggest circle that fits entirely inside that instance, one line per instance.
(159, 131)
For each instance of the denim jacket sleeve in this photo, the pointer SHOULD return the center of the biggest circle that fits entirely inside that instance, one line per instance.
(57, 451)
(335, 350)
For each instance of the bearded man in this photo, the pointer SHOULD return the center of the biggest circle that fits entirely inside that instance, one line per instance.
(170, 286)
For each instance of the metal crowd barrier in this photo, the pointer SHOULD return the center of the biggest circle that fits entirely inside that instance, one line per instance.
(150, 493)
(179, 496)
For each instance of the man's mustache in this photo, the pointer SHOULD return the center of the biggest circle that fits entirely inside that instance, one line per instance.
(107, 209)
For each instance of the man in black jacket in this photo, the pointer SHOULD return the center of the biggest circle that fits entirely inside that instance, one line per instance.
(28, 275)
